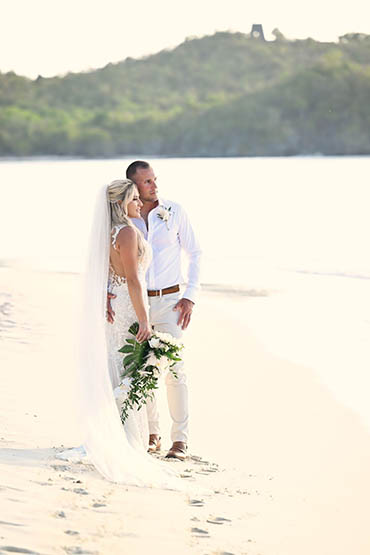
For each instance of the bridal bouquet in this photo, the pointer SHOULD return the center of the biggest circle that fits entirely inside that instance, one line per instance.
(143, 365)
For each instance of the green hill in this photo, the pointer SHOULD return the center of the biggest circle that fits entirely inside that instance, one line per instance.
(226, 94)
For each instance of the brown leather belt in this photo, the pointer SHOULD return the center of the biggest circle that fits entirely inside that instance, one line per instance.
(165, 291)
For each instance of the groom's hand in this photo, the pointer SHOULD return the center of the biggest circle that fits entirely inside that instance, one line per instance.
(185, 307)
(110, 311)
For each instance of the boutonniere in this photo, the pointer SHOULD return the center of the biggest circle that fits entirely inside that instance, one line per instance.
(164, 214)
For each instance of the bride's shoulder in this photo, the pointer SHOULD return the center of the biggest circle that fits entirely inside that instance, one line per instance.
(123, 234)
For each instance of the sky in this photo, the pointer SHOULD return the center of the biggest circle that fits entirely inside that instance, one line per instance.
(48, 37)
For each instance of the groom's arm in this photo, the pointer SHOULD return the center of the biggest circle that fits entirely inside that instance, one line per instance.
(190, 244)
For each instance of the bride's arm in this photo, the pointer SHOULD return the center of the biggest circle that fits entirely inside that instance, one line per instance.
(127, 241)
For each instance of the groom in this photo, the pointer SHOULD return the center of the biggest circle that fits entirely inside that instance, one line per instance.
(166, 227)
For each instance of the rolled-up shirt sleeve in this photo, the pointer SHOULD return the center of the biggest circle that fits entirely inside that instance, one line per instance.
(190, 244)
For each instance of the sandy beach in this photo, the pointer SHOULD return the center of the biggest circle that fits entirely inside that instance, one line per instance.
(285, 463)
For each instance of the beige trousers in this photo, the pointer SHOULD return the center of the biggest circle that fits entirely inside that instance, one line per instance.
(163, 318)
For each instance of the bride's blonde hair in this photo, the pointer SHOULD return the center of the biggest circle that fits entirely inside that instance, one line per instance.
(120, 193)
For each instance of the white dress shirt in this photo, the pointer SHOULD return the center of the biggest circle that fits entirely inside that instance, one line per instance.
(167, 238)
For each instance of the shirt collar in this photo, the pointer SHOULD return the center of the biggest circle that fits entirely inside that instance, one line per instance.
(162, 202)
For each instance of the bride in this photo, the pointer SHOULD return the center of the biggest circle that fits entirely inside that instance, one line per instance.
(118, 255)
(129, 257)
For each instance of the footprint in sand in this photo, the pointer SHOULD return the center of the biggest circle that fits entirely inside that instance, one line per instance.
(196, 503)
(10, 523)
(60, 467)
(81, 491)
(13, 549)
(199, 533)
(76, 550)
(210, 469)
(187, 473)
(218, 520)
(61, 514)
(4, 488)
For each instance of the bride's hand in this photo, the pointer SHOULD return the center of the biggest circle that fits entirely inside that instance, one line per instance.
(110, 312)
(145, 331)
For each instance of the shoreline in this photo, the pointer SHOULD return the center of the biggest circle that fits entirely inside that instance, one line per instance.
(67, 158)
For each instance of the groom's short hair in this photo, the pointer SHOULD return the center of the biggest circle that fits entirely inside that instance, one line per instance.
(137, 165)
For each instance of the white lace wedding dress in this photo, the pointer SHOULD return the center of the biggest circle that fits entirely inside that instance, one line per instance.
(136, 425)
(118, 452)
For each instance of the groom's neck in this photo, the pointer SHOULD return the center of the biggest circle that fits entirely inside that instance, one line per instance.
(147, 207)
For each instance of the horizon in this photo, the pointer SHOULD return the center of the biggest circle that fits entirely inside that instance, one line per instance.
(40, 38)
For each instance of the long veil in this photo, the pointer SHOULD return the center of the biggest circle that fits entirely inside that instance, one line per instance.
(104, 438)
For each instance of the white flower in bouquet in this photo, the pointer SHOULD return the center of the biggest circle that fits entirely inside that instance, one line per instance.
(154, 342)
(144, 372)
(151, 360)
(177, 343)
(121, 391)
(168, 339)
(158, 364)
(163, 336)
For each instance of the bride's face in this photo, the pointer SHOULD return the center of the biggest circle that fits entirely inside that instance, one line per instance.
(134, 206)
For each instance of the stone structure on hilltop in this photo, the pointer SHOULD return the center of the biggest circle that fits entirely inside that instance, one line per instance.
(257, 32)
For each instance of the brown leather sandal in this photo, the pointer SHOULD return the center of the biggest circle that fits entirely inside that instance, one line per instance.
(177, 451)
(154, 443)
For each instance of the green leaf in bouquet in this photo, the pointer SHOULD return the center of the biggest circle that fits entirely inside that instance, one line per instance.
(128, 359)
(126, 349)
(134, 328)
(140, 351)
(129, 370)
(172, 356)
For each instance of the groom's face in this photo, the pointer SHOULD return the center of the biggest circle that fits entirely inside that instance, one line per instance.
(145, 180)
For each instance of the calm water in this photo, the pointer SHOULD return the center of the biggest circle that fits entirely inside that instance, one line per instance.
(290, 233)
